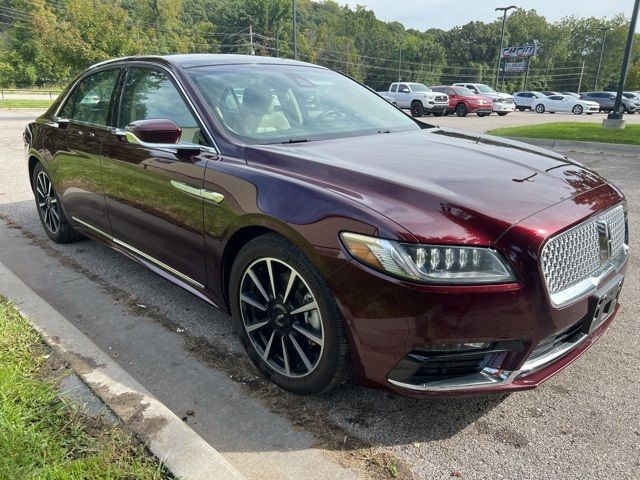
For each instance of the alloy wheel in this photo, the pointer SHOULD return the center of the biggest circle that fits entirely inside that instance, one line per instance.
(540, 108)
(281, 317)
(47, 202)
(577, 110)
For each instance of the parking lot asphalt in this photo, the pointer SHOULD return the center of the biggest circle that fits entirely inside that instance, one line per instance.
(582, 424)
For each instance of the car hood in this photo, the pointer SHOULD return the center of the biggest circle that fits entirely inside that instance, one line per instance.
(441, 185)
(477, 98)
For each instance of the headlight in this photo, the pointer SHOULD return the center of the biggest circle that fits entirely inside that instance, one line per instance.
(429, 263)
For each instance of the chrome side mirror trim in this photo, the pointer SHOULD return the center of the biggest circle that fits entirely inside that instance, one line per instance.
(130, 137)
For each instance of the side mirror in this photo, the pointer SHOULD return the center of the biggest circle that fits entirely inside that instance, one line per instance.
(159, 131)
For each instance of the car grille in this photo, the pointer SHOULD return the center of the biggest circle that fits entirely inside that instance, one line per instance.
(441, 98)
(574, 255)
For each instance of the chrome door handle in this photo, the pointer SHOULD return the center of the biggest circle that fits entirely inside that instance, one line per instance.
(198, 192)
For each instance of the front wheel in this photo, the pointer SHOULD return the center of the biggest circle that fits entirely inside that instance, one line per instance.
(577, 110)
(52, 217)
(288, 319)
(416, 109)
(461, 110)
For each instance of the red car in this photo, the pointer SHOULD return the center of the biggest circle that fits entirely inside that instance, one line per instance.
(463, 101)
(342, 235)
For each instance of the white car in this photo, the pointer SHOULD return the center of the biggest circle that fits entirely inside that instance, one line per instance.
(563, 103)
(502, 103)
(525, 100)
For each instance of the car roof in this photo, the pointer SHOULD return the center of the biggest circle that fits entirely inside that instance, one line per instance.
(207, 59)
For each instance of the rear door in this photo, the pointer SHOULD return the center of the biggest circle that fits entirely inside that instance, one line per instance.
(403, 97)
(76, 142)
(153, 194)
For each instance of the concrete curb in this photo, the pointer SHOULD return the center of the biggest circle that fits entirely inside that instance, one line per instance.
(583, 147)
(181, 449)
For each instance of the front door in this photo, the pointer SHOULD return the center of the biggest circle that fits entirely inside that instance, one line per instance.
(152, 193)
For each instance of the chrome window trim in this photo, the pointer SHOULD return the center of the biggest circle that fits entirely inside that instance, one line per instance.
(140, 253)
(123, 63)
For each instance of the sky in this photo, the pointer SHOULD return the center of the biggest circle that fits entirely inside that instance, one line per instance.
(425, 14)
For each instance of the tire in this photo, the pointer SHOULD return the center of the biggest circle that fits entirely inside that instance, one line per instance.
(437, 114)
(327, 357)
(461, 110)
(540, 108)
(416, 109)
(522, 109)
(577, 110)
(49, 208)
(502, 114)
(482, 114)
(589, 113)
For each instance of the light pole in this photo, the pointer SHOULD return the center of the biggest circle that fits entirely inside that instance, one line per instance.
(615, 117)
(604, 39)
(400, 64)
(504, 20)
(295, 32)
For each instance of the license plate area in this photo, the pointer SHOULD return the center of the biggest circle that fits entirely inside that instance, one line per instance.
(603, 304)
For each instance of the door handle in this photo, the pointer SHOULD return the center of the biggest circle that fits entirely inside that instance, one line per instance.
(198, 192)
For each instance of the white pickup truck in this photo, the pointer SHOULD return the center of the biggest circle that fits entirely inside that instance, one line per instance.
(417, 97)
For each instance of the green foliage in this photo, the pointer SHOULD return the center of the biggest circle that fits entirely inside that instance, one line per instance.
(41, 435)
(588, 132)
(49, 41)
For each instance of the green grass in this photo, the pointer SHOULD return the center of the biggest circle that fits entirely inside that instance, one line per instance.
(587, 132)
(16, 103)
(44, 437)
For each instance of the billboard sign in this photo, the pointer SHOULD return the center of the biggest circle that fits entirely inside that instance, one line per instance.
(520, 52)
(515, 67)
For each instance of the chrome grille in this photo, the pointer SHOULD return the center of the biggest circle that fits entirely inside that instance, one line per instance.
(574, 255)
(441, 98)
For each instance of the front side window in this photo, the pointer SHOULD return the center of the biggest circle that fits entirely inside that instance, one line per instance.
(150, 94)
(403, 89)
(261, 104)
(92, 99)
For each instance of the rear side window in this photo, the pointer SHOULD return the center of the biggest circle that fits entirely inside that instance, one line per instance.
(92, 99)
(150, 94)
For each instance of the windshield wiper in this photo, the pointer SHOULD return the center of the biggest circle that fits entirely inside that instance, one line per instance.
(296, 140)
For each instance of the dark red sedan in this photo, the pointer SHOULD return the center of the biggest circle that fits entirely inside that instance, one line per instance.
(463, 101)
(342, 235)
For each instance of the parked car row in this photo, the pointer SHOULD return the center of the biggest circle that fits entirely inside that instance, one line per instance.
(590, 102)
(459, 98)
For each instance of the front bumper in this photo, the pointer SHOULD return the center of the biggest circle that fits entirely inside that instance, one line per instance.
(436, 107)
(394, 325)
(503, 107)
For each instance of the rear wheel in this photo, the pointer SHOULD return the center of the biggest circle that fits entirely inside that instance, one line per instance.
(461, 110)
(288, 320)
(52, 217)
(540, 108)
(437, 114)
(482, 114)
(416, 109)
(502, 114)
(522, 109)
(577, 110)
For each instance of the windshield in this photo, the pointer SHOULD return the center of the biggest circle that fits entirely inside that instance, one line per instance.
(262, 104)
(485, 89)
(418, 87)
(463, 92)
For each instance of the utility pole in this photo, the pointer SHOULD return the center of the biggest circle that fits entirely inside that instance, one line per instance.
(278, 43)
(504, 21)
(251, 50)
(546, 76)
(614, 119)
(295, 31)
(581, 75)
(400, 64)
(526, 73)
(604, 39)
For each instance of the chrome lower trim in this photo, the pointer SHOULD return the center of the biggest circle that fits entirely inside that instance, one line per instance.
(557, 352)
(487, 378)
(140, 253)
